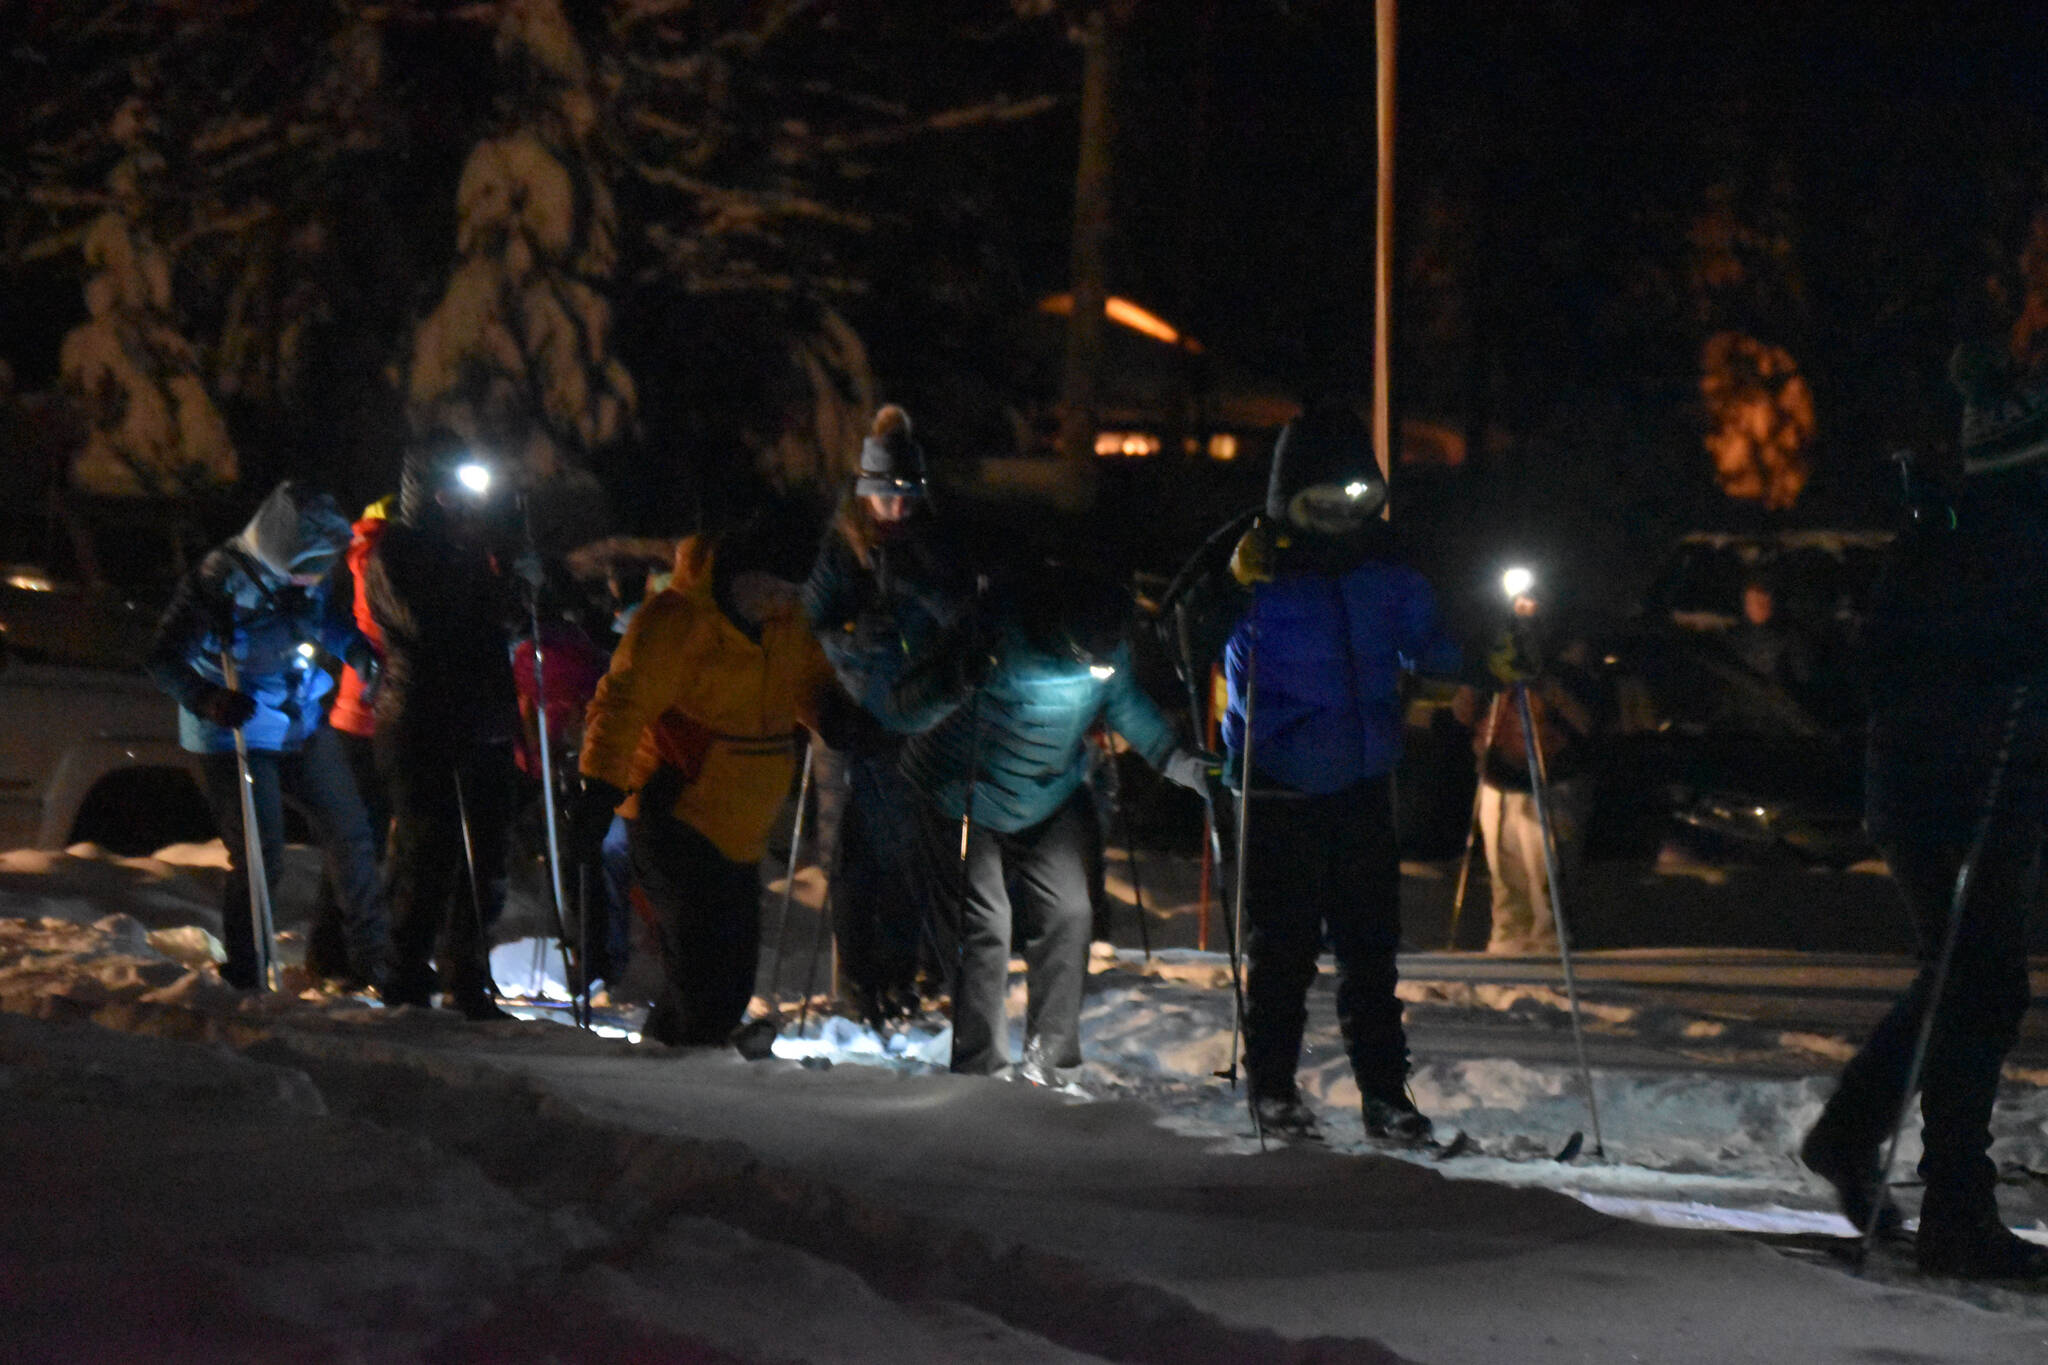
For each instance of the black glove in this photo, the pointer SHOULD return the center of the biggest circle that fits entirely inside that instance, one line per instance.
(369, 669)
(590, 819)
(225, 707)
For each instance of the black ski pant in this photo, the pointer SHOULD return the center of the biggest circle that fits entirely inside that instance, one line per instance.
(1320, 865)
(881, 895)
(317, 778)
(434, 793)
(1931, 770)
(707, 912)
(327, 948)
(1045, 864)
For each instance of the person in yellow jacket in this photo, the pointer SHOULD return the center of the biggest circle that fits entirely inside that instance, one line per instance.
(698, 720)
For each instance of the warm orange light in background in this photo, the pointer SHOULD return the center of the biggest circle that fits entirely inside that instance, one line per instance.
(1128, 314)
(1135, 444)
(1223, 446)
(1762, 412)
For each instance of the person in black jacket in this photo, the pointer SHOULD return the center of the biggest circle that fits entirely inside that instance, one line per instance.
(884, 586)
(447, 714)
(1956, 657)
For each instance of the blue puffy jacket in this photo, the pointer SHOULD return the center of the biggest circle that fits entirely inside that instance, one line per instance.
(872, 618)
(1022, 734)
(1331, 649)
(241, 598)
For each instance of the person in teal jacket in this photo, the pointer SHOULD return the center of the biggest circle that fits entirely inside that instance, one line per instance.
(267, 599)
(999, 723)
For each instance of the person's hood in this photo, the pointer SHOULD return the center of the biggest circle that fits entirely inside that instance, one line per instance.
(297, 530)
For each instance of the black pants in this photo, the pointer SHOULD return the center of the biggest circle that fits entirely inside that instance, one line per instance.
(317, 777)
(1931, 768)
(881, 888)
(1316, 865)
(327, 947)
(707, 911)
(1045, 865)
(430, 888)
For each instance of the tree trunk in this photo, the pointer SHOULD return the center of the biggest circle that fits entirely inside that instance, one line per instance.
(1090, 261)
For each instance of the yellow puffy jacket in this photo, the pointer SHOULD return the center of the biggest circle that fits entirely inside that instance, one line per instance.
(687, 688)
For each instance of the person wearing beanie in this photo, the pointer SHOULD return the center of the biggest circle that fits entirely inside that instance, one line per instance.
(355, 724)
(268, 599)
(1000, 713)
(446, 716)
(1955, 657)
(1333, 622)
(693, 736)
(885, 584)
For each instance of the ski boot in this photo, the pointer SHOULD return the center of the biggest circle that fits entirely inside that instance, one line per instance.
(1390, 1116)
(1963, 1236)
(1852, 1169)
(1285, 1117)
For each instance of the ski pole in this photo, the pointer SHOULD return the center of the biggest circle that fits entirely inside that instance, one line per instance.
(1966, 873)
(583, 937)
(476, 894)
(1196, 735)
(1472, 829)
(1244, 826)
(262, 928)
(796, 840)
(1123, 816)
(547, 763)
(1539, 789)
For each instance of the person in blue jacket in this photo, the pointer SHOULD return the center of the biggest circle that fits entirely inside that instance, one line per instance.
(999, 718)
(268, 599)
(1334, 621)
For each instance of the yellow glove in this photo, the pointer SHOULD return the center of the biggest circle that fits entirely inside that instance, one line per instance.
(1253, 559)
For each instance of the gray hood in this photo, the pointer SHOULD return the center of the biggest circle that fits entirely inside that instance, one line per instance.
(297, 530)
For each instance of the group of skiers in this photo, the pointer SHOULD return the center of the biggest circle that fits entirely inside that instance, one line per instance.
(962, 705)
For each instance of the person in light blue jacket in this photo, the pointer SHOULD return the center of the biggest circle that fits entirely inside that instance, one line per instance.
(999, 720)
(267, 599)
(1333, 623)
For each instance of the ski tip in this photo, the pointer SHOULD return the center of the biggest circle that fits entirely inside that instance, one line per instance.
(1573, 1145)
(1459, 1144)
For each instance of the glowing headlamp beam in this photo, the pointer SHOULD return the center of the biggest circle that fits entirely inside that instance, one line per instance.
(1355, 489)
(1101, 672)
(1517, 581)
(474, 477)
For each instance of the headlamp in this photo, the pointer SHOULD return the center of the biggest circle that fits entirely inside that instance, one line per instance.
(1101, 672)
(1517, 581)
(475, 477)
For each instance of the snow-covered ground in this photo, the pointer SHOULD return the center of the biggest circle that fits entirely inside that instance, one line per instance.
(317, 1178)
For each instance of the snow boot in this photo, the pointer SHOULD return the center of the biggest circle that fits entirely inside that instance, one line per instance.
(1963, 1236)
(755, 1039)
(1286, 1118)
(1852, 1169)
(1390, 1116)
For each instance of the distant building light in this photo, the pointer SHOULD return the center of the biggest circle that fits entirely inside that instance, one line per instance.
(1223, 446)
(1127, 314)
(30, 582)
(1134, 444)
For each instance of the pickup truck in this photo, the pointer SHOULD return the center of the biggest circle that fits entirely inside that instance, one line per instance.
(88, 745)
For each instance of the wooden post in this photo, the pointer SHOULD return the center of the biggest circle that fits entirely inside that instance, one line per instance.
(1383, 255)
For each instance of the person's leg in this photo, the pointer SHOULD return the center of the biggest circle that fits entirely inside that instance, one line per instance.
(224, 797)
(425, 864)
(1526, 877)
(694, 891)
(735, 930)
(979, 906)
(1283, 936)
(1507, 910)
(616, 859)
(1567, 803)
(489, 786)
(1054, 923)
(1361, 904)
(320, 777)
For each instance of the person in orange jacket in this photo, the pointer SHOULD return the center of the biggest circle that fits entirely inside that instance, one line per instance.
(354, 719)
(698, 719)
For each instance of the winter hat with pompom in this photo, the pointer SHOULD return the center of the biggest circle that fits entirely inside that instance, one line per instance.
(891, 461)
(2005, 421)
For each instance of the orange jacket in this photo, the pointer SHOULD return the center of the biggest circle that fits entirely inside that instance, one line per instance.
(350, 714)
(688, 689)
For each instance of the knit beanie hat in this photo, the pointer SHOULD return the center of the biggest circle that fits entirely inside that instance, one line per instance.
(2005, 421)
(891, 461)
